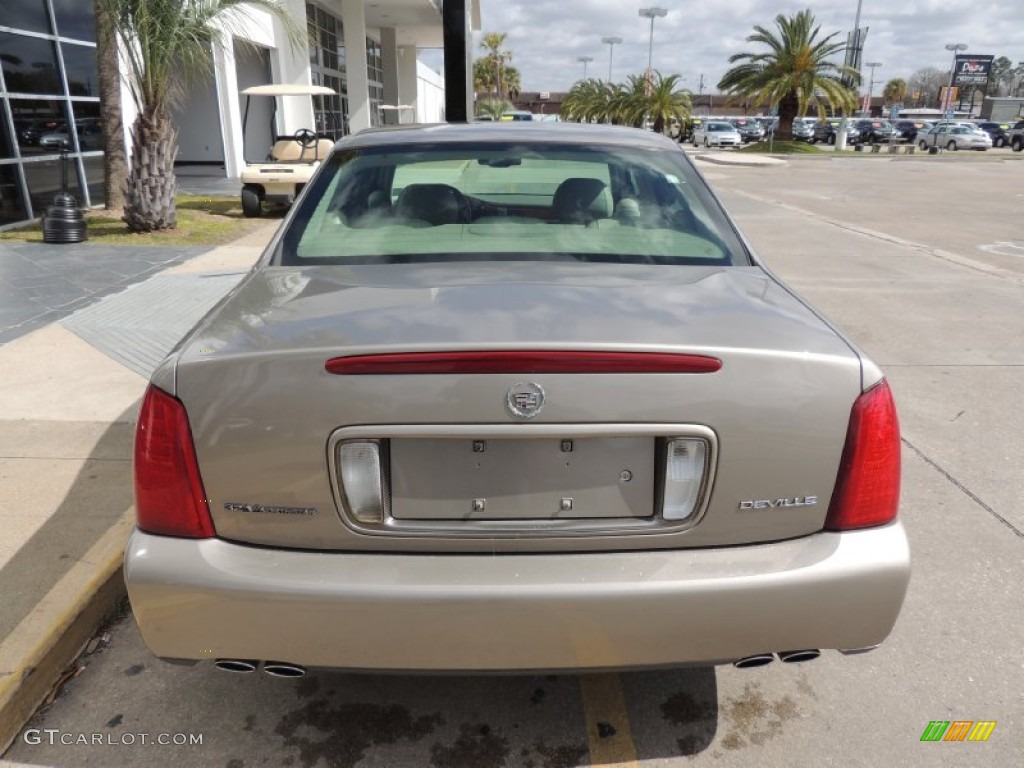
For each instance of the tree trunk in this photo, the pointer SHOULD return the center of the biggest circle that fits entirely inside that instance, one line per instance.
(149, 195)
(115, 163)
(788, 108)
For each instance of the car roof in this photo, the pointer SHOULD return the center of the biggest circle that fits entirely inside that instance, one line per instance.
(504, 132)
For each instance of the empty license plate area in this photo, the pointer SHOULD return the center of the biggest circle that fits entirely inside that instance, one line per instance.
(522, 479)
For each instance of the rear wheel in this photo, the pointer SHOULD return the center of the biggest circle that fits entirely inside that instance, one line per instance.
(707, 144)
(951, 146)
(831, 138)
(252, 208)
(1018, 143)
(922, 145)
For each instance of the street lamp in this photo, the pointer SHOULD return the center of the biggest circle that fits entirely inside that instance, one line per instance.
(954, 47)
(871, 82)
(652, 14)
(611, 42)
(586, 60)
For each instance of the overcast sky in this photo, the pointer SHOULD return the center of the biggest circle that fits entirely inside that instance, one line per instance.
(698, 36)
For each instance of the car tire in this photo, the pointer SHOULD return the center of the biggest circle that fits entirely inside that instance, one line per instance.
(922, 145)
(951, 146)
(252, 207)
(1018, 144)
(999, 142)
(831, 138)
(707, 144)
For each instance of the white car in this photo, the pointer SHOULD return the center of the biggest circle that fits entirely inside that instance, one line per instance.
(716, 133)
(955, 136)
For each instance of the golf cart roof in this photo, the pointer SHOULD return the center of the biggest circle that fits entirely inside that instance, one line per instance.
(282, 89)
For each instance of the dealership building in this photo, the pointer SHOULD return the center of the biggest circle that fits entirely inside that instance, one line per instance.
(48, 82)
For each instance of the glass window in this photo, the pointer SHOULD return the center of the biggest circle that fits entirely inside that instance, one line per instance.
(44, 181)
(26, 14)
(76, 19)
(7, 141)
(35, 120)
(80, 66)
(94, 179)
(29, 64)
(438, 202)
(12, 202)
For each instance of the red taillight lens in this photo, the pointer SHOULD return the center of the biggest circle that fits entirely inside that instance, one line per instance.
(169, 495)
(522, 361)
(867, 491)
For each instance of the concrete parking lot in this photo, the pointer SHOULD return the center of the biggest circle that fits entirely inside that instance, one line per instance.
(921, 261)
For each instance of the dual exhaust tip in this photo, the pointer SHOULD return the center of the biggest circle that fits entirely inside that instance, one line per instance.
(789, 657)
(272, 668)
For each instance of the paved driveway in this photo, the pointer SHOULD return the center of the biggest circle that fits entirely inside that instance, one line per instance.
(898, 254)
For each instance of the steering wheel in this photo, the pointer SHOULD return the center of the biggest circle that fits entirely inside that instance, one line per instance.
(305, 137)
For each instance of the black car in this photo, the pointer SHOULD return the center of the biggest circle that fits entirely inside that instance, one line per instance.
(874, 130)
(908, 130)
(998, 131)
(749, 129)
(826, 131)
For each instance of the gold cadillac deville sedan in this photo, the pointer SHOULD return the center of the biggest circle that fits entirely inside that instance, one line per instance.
(513, 397)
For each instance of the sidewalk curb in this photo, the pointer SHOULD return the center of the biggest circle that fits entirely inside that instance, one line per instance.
(753, 161)
(41, 647)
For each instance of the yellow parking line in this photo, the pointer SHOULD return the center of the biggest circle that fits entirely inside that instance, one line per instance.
(608, 733)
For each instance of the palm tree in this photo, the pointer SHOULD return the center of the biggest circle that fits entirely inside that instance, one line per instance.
(164, 41)
(592, 101)
(115, 163)
(793, 70)
(895, 91)
(658, 100)
(492, 42)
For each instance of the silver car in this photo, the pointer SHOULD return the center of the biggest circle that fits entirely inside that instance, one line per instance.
(954, 136)
(717, 133)
(513, 398)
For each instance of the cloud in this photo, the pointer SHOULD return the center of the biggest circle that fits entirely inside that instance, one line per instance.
(546, 36)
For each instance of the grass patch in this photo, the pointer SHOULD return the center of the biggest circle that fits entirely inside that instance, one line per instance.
(202, 220)
(781, 148)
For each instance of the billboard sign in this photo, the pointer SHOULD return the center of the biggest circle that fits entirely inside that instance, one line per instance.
(972, 70)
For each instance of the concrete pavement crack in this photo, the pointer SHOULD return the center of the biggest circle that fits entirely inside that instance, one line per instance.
(963, 488)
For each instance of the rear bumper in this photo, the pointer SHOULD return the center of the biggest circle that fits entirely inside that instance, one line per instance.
(213, 599)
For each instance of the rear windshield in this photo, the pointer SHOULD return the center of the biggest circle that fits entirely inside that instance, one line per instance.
(497, 201)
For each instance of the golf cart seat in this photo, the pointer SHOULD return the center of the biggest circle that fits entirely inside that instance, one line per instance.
(288, 150)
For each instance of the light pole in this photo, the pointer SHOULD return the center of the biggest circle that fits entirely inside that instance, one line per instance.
(586, 60)
(871, 83)
(954, 47)
(652, 14)
(611, 42)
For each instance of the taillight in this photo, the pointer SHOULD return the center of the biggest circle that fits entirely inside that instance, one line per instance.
(867, 491)
(169, 495)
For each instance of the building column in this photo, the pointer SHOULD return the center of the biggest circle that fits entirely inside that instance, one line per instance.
(389, 64)
(353, 17)
(228, 106)
(408, 89)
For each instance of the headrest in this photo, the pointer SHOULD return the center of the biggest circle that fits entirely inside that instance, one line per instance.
(580, 201)
(433, 203)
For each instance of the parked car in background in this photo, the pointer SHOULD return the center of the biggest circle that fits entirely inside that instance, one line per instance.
(717, 133)
(688, 127)
(827, 130)
(803, 128)
(998, 132)
(1015, 136)
(750, 129)
(874, 130)
(953, 136)
(89, 132)
(908, 129)
(500, 400)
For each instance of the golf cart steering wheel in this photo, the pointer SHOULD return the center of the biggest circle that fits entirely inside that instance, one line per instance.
(305, 137)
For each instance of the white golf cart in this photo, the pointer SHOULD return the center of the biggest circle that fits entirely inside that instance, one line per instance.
(293, 158)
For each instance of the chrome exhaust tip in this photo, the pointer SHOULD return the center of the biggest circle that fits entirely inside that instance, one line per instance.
(283, 669)
(757, 660)
(794, 657)
(241, 666)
